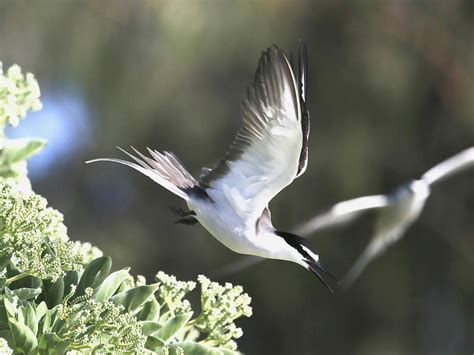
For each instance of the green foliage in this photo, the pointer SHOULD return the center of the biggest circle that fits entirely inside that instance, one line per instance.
(59, 296)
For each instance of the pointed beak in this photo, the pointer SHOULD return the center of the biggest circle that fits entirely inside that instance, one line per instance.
(320, 271)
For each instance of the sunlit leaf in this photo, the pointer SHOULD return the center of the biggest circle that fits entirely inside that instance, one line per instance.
(132, 299)
(25, 294)
(173, 325)
(50, 343)
(150, 327)
(23, 337)
(16, 150)
(95, 272)
(149, 311)
(111, 284)
(30, 318)
(41, 310)
(10, 309)
(154, 344)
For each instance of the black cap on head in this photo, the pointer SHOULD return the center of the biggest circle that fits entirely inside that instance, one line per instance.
(306, 250)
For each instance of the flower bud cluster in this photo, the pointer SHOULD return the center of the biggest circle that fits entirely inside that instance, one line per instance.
(18, 95)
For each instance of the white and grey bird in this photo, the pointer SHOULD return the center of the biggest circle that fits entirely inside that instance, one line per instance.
(395, 212)
(269, 151)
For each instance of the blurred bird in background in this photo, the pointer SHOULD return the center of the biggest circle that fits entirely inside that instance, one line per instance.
(395, 212)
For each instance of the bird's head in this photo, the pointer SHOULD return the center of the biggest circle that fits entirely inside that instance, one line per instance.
(308, 258)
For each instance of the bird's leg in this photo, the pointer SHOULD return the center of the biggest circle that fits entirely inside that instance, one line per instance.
(186, 217)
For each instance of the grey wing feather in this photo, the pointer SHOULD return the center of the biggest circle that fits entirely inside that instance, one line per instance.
(302, 84)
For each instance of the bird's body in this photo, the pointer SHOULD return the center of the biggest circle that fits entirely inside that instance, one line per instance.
(268, 153)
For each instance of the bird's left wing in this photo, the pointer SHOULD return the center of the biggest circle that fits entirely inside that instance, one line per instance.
(342, 213)
(265, 155)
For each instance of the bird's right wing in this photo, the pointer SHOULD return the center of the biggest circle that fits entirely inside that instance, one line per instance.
(453, 165)
(342, 213)
(379, 243)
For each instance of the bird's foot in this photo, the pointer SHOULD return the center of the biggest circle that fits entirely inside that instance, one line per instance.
(187, 220)
(186, 217)
(180, 212)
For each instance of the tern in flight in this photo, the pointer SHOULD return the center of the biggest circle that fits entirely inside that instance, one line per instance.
(269, 151)
(395, 212)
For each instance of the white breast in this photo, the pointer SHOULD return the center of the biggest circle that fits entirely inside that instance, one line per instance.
(225, 224)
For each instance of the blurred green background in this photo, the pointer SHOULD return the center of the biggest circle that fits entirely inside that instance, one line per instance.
(391, 94)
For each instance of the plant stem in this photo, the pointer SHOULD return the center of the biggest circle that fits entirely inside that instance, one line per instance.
(15, 278)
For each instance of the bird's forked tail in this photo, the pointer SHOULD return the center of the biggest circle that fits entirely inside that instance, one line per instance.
(163, 168)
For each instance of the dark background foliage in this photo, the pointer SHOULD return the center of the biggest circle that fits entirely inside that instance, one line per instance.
(391, 94)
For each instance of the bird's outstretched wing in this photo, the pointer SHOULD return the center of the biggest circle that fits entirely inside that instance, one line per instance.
(450, 166)
(265, 155)
(379, 243)
(342, 213)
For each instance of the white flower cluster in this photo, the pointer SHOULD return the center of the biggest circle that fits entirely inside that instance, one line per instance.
(102, 326)
(220, 306)
(34, 236)
(18, 95)
(87, 250)
(4, 348)
(171, 293)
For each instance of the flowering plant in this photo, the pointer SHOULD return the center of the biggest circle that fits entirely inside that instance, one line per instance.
(60, 296)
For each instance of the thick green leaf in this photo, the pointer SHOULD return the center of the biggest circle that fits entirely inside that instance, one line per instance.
(25, 294)
(3, 317)
(10, 309)
(2, 282)
(4, 260)
(193, 348)
(149, 327)
(154, 344)
(30, 318)
(10, 295)
(173, 325)
(16, 150)
(132, 299)
(26, 282)
(94, 273)
(149, 311)
(53, 292)
(50, 343)
(45, 323)
(23, 337)
(41, 310)
(111, 284)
